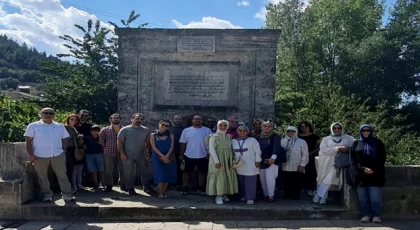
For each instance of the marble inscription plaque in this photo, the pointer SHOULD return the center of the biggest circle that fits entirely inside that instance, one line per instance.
(196, 44)
(196, 86)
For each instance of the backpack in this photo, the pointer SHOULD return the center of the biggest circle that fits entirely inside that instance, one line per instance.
(342, 160)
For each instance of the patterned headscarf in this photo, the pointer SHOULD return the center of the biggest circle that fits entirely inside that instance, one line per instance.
(270, 133)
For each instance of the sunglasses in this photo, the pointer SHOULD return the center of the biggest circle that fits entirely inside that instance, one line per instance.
(291, 131)
(164, 125)
(365, 131)
(338, 128)
(48, 113)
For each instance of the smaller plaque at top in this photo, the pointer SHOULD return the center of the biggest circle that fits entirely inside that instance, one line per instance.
(196, 44)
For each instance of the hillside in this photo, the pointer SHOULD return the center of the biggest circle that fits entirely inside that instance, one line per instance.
(20, 64)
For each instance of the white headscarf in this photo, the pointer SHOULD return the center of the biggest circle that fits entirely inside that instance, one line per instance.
(220, 122)
(291, 140)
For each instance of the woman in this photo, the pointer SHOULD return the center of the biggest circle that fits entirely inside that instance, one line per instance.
(74, 168)
(221, 177)
(164, 164)
(270, 150)
(306, 132)
(297, 158)
(329, 177)
(248, 151)
(368, 159)
(256, 127)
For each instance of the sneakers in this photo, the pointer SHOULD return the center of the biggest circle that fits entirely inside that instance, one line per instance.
(68, 198)
(47, 199)
(226, 198)
(323, 201)
(201, 192)
(250, 202)
(122, 188)
(108, 189)
(377, 220)
(316, 198)
(365, 219)
(219, 200)
(132, 192)
(73, 189)
(80, 187)
(184, 191)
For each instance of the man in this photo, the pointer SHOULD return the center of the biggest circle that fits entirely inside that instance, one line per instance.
(85, 126)
(134, 146)
(233, 125)
(46, 144)
(211, 124)
(177, 129)
(108, 140)
(194, 153)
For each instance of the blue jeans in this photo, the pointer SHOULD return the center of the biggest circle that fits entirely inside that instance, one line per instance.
(370, 200)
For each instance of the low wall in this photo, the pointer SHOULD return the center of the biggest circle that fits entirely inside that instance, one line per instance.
(18, 184)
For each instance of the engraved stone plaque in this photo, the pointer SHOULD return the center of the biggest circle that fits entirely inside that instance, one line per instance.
(196, 85)
(196, 44)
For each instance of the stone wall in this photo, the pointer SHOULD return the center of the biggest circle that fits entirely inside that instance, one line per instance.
(217, 73)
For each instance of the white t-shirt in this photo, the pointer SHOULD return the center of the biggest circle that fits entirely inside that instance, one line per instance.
(194, 138)
(47, 138)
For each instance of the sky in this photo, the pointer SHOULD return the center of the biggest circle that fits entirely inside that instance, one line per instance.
(38, 23)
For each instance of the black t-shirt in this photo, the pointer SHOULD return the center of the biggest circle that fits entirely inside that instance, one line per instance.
(93, 146)
(311, 141)
(84, 129)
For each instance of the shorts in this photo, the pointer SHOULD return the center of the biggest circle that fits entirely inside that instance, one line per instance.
(201, 163)
(95, 162)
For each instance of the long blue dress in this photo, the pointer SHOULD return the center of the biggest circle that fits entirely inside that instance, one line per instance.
(163, 173)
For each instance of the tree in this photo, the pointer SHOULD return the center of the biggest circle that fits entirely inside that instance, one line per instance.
(9, 83)
(338, 63)
(90, 83)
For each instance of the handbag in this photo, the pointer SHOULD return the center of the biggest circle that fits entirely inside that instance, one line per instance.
(79, 153)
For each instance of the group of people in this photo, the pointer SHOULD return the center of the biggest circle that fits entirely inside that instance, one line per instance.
(221, 158)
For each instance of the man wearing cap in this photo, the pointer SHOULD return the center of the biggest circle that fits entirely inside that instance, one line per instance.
(46, 143)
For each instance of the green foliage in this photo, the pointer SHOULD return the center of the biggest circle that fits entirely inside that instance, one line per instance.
(15, 116)
(9, 83)
(91, 82)
(21, 62)
(336, 63)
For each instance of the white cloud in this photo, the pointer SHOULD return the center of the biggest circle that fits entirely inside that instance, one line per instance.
(261, 14)
(38, 23)
(208, 23)
(242, 3)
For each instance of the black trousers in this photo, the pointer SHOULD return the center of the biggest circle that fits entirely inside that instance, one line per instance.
(310, 175)
(70, 162)
(292, 185)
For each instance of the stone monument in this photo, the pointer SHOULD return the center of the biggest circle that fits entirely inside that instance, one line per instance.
(213, 72)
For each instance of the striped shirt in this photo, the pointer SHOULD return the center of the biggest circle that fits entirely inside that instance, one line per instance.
(108, 139)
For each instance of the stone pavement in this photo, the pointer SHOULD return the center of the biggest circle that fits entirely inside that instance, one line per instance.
(118, 206)
(230, 225)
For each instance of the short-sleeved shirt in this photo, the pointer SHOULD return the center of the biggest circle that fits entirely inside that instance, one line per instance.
(134, 139)
(93, 145)
(46, 138)
(194, 138)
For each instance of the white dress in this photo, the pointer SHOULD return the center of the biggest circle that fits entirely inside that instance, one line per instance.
(327, 174)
